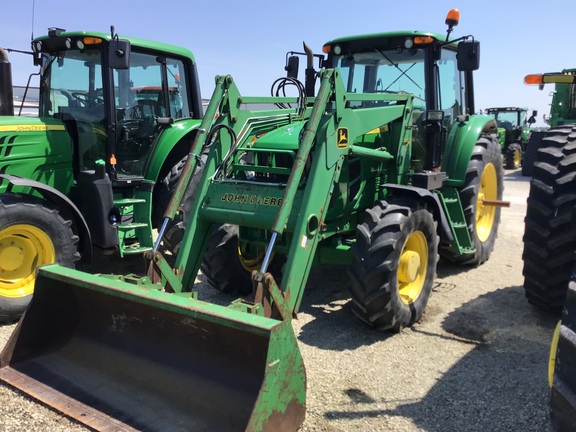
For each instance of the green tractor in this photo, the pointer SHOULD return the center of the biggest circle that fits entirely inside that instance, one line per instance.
(550, 242)
(563, 107)
(550, 237)
(96, 169)
(562, 110)
(514, 129)
(381, 170)
(549, 261)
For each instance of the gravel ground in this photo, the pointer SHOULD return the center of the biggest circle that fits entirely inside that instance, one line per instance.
(477, 361)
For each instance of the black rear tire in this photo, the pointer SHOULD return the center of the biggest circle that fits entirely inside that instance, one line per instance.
(163, 193)
(549, 236)
(394, 265)
(32, 233)
(484, 178)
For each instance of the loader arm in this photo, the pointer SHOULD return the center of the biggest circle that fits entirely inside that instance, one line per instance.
(281, 200)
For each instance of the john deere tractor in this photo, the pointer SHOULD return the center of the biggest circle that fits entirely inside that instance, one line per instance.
(563, 106)
(550, 237)
(514, 129)
(562, 110)
(550, 264)
(381, 170)
(97, 167)
(550, 242)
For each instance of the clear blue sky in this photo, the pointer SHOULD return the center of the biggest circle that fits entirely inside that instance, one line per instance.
(249, 39)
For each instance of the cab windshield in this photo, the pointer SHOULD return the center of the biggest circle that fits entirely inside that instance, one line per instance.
(404, 71)
(71, 90)
(506, 119)
(381, 71)
(407, 71)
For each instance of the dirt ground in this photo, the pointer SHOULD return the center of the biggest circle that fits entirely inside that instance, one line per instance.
(477, 361)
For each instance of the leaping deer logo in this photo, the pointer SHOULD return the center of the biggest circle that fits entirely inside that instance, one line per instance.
(342, 137)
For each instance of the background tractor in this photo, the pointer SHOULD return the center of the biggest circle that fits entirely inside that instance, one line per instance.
(382, 170)
(549, 261)
(562, 111)
(514, 129)
(550, 242)
(550, 237)
(97, 167)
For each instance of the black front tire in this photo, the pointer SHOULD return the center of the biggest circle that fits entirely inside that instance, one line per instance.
(549, 235)
(32, 233)
(394, 265)
(484, 180)
(228, 265)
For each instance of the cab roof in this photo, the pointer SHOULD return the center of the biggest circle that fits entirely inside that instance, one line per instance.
(386, 35)
(135, 42)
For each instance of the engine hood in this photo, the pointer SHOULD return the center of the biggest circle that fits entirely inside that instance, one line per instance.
(285, 137)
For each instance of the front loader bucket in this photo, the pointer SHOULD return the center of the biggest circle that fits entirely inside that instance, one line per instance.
(117, 356)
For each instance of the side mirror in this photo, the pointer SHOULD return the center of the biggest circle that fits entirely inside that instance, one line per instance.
(292, 67)
(534, 113)
(119, 54)
(468, 56)
(531, 120)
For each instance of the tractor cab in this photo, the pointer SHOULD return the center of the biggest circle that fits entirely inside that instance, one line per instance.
(563, 106)
(115, 102)
(435, 70)
(513, 122)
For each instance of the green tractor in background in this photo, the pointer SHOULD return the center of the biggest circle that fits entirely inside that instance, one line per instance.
(562, 111)
(563, 106)
(514, 130)
(550, 237)
(382, 170)
(97, 167)
(550, 241)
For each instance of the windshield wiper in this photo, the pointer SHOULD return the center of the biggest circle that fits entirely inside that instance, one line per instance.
(402, 72)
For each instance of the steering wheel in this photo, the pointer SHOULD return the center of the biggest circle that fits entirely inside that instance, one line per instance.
(85, 100)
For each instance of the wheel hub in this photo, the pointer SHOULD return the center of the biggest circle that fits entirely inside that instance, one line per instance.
(23, 247)
(11, 258)
(409, 266)
(412, 267)
(485, 214)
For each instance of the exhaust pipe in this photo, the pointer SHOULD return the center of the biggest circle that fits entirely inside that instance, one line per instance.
(310, 71)
(6, 90)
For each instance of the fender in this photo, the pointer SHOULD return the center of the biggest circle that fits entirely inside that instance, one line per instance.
(460, 145)
(420, 194)
(167, 142)
(60, 201)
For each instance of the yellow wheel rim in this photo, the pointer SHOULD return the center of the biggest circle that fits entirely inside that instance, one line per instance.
(412, 267)
(552, 357)
(517, 157)
(249, 264)
(485, 214)
(22, 249)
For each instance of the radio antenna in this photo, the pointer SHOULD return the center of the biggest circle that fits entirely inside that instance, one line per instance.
(33, 10)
